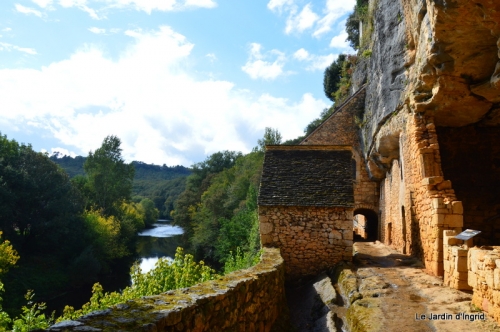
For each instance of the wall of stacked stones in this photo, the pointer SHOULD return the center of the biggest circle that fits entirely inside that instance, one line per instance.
(455, 261)
(360, 226)
(471, 160)
(429, 202)
(245, 300)
(311, 239)
(484, 278)
(395, 231)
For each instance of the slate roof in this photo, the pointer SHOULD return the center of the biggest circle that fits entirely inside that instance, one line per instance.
(307, 175)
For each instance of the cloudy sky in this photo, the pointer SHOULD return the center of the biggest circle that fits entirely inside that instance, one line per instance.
(175, 80)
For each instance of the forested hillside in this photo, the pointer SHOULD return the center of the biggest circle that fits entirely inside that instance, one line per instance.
(161, 184)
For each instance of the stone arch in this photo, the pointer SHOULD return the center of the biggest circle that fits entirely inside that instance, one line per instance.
(371, 227)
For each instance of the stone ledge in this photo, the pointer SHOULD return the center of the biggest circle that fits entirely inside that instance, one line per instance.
(251, 299)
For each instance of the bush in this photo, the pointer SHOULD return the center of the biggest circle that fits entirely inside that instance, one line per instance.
(181, 272)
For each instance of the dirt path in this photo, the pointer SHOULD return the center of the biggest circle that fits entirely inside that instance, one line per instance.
(387, 292)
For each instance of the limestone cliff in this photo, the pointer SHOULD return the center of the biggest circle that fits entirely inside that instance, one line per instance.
(436, 58)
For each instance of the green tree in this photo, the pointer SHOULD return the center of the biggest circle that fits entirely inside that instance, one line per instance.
(151, 213)
(332, 76)
(197, 183)
(109, 177)
(271, 137)
(39, 207)
(8, 258)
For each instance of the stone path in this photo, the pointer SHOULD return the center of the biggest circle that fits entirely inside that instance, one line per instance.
(382, 291)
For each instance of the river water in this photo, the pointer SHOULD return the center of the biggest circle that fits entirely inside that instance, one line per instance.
(160, 241)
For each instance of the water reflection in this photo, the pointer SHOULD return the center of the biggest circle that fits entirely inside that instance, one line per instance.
(160, 241)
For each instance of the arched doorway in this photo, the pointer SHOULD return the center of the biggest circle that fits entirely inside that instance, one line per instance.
(365, 225)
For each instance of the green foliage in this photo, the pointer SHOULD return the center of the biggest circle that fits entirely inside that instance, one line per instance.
(8, 258)
(332, 76)
(181, 272)
(197, 183)
(72, 166)
(39, 207)
(151, 213)
(271, 137)
(241, 260)
(224, 216)
(366, 53)
(161, 184)
(104, 233)
(345, 81)
(32, 317)
(109, 177)
(360, 14)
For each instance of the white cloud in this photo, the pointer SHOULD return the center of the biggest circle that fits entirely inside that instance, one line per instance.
(301, 54)
(340, 42)
(301, 21)
(42, 3)
(333, 10)
(279, 5)
(97, 30)
(211, 57)
(200, 3)
(321, 23)
(96, 8)
(27, 10)
(7, 29)
(315, 62)
(10, 47)
(160, 112)
(258, 67)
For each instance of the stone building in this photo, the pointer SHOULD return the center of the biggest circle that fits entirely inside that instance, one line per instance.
(423, 124)
(306, 205)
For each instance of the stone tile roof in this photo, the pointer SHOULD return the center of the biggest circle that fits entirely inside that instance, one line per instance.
(307, 175)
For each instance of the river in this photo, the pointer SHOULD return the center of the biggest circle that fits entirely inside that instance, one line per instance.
(161, 240)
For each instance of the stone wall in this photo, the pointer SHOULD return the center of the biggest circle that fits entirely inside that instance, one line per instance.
(417, 203)
(395, 230)
(245, 300)
(455, 261)
(311, 239)
(360, 225)
(484, 278)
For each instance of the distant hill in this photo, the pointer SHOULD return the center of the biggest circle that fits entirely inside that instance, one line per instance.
(161, 184)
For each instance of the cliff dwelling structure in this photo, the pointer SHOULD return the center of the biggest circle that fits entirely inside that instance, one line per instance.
(423, 125)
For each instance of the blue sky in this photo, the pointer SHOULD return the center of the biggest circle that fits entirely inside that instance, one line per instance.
(176, 80)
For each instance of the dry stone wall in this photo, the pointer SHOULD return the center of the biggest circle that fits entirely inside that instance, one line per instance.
(311, 239)
(484, 278)
(455, 261)
(245, 300)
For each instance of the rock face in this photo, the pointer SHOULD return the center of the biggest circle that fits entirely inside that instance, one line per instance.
(431, 126)
(439, 58)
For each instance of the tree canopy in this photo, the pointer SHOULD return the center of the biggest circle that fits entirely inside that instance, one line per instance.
(109, 177)
(332, 76)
